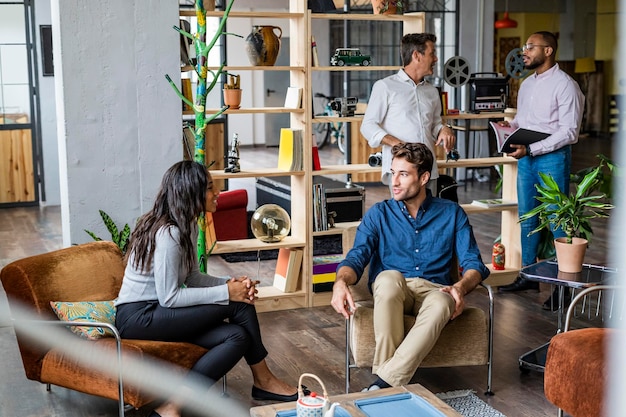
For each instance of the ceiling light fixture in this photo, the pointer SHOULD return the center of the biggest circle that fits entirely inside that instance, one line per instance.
(505, 22)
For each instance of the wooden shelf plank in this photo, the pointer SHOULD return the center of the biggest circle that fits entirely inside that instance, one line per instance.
(230, 68)
(337, 230)
(359, 16)
(358, 68)
(189, 114)
(498, 278)
(246, 245)
(254, 173)
(234, 13)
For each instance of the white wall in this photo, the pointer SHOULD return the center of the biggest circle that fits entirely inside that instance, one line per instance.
(119, 123)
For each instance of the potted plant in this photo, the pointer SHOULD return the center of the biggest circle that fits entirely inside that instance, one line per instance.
(232, 92)
(387, 6)
(572, 213)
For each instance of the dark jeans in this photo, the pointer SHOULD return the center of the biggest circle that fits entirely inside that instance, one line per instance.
(203, 325)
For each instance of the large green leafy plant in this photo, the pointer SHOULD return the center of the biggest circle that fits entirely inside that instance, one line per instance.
(572, 213)
(119, 237)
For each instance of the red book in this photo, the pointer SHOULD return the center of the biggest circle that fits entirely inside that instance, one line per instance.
(316, 156)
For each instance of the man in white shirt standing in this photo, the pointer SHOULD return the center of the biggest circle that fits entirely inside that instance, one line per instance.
(549, 101)
(404, 107)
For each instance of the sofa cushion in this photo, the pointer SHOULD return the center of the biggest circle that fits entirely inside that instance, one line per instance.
(94, 311)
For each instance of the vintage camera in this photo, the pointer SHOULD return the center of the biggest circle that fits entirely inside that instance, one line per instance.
(375, 159)
(344, 106)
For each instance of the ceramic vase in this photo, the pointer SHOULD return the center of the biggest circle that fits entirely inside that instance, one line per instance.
(232, 97)
(263, 45)
(570, 256)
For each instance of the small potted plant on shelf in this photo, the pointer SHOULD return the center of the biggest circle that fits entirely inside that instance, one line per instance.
(232, 92)
(572, 213)
(387, 6)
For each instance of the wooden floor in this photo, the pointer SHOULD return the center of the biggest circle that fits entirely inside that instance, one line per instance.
(310, 340)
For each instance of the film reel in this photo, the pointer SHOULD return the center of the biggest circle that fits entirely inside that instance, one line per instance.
(514, 64)
(456, 71)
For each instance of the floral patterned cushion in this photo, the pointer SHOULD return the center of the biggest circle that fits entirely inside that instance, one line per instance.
(96, 311)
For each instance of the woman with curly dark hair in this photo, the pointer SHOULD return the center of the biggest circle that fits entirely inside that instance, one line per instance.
(165, 297)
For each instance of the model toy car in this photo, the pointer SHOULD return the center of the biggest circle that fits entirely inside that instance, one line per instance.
(349, 56)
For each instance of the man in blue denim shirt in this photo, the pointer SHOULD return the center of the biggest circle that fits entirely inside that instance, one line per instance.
(409, 242)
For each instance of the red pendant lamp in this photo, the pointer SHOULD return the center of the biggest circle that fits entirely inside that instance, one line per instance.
(505, 22)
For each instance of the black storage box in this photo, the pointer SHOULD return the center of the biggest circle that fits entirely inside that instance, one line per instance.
(348, 203)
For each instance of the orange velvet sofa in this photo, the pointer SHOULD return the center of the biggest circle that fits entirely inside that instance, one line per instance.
(87, 272)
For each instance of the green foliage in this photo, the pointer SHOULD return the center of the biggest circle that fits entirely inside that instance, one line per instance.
(120, 238)
(385, 5)
(572, 213)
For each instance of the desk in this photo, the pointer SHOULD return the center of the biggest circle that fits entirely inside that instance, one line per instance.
(548, 272)
(346, 401)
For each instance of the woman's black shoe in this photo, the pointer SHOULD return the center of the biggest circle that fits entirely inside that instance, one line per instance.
(262, 395)
(520, 284)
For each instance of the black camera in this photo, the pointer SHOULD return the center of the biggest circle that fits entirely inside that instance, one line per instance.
(375, 159)
(453, 155)
(344, 106)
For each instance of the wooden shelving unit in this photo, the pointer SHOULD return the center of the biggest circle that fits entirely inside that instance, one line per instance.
(302, 234)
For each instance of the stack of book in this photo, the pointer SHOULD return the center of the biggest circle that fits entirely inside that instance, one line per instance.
(320, 217)
(290, 150)
(325, 272)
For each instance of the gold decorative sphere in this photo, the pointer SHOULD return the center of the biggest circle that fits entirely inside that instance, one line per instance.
(270, 223)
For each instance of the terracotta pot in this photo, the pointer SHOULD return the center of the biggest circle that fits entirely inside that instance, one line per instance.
(263, 45)
(377, 5)
(232, 97)
(570, 256)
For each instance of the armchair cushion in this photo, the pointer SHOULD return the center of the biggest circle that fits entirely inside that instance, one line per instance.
(462, 342)
(95, 311)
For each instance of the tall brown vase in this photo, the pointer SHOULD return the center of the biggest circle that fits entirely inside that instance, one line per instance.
(570, 256)
(263, 45)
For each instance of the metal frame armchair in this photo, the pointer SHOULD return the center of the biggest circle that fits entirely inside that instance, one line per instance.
(472, 328)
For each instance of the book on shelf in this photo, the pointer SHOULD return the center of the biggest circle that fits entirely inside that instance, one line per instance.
(315, 154)
(288, 269)
(187, 92)
(493, 202)
(320, 219)
(507, 135)
(293, 98)
(290, 150)
(315, 61)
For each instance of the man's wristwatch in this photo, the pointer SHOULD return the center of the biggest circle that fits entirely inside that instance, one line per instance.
(528, 152)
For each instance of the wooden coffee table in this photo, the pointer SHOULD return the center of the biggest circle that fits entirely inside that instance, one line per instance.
(347, 402)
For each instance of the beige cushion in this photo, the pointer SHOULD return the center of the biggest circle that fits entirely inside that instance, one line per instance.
(464, 341)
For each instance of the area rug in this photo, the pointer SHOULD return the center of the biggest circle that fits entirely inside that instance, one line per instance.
(468, 404)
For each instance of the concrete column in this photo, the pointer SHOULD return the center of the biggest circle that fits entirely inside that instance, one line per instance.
(118, 120)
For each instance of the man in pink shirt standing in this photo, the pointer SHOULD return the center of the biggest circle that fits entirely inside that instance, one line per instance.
(549, 101)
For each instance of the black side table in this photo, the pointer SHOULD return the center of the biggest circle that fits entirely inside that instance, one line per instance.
(548, 272)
